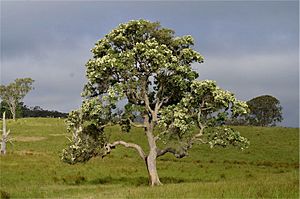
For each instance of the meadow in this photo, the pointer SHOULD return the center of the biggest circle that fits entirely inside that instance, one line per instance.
(32, 168)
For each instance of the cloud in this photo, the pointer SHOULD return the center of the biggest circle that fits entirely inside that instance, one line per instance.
(253, 75)
(250, 48)
(58, 71)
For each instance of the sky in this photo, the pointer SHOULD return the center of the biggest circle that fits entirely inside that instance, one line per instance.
(250, 47)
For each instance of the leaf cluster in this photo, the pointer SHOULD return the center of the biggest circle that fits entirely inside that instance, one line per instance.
(141, 54)
(87, 125)
(207, 107)
(16, 91)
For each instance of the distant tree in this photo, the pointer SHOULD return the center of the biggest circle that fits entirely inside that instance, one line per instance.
(265, 110)
(5, 108)
(14, 92)
(148, 67)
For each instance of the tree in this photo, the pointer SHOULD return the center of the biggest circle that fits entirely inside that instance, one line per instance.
(148, 67)
(4, 107)
(14, 92)
(265, 110)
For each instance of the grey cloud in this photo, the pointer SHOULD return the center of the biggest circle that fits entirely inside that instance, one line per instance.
(258, 74)
(27, 24)
(59, 75)
(249, 47)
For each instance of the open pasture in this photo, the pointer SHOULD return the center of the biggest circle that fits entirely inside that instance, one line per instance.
(32, 168)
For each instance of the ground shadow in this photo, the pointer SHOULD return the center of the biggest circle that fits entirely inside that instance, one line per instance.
(133, 181)
(140, 181)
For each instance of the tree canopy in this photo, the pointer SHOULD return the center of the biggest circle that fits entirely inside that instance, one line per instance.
(149, 68)
(265, 110)
(14, 92)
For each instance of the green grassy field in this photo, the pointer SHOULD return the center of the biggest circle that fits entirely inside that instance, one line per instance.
(32, 167)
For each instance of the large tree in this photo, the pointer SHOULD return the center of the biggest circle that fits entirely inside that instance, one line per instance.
(13, 93)
(149, 68)
(265, 110)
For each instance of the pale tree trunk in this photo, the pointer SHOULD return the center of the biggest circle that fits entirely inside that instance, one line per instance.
(151, 158)
(13, 112)
(151, 168)
(4, 136)
(150, 117)
(14, 116)
(12, 109)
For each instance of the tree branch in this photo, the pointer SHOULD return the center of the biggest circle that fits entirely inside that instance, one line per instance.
(177, 154)
(113, 145)
(200, 125)
(144, 90)
(147, 102)
(133, 97)
(136, 125)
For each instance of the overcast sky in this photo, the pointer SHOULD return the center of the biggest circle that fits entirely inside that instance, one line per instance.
(250, 47)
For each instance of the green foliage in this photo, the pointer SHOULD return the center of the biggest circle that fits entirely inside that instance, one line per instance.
(17, 90)
(14, 92)
(150, 68)
(224, 136)
(128, 58)
(88, 136)
(4, 107)
(206, 106)
(137, 59)
(265, 110)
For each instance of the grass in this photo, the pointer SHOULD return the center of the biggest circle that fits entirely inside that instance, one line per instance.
(32, 167)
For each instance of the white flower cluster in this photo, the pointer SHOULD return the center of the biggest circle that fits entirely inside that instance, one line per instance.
(223, 136)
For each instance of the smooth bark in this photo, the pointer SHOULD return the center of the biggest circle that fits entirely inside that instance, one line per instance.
(151, 168)
(4, 136)
(137, 147)
(151, 158)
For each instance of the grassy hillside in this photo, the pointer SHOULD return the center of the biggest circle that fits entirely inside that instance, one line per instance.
(32, 167)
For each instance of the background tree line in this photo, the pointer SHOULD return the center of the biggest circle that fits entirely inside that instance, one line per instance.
(264, 110)
(23, 110)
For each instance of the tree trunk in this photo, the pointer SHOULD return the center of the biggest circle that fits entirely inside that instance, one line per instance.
(4, 136)
(149, 124)
(12, 109)
(3, 147)
(14, 116)
(151, 160)
(151, 167)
